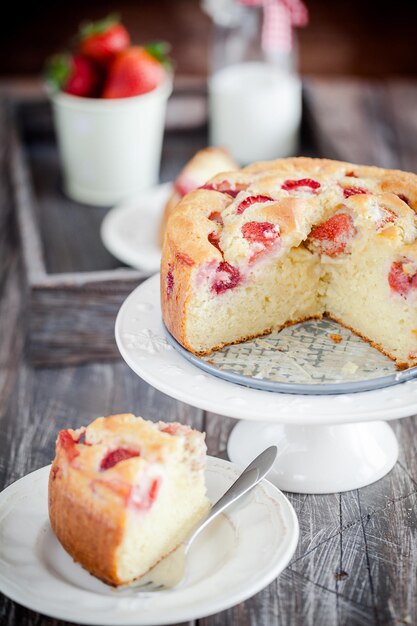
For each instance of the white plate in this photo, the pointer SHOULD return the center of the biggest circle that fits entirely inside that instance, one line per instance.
(130, 231)
(237, 556)
(142, 343)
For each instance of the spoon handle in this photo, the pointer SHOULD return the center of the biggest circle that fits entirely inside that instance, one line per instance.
(246, 481)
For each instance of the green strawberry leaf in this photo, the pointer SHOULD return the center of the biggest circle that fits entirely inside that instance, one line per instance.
(89, 29)
(58, 69)
(160, 51)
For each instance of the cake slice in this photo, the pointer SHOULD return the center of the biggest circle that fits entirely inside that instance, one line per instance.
(204, 165)
(125, 492)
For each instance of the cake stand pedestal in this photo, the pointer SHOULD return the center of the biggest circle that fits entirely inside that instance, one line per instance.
(326, 444)
(318, 459)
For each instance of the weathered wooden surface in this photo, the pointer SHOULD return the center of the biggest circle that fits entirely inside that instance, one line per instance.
(356, 562)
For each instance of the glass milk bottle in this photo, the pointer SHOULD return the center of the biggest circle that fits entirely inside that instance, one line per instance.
(254, 89)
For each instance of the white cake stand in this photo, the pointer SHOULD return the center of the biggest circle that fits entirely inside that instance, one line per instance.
(326, 443)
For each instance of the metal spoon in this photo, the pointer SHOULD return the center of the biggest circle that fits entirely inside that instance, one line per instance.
(169, 572)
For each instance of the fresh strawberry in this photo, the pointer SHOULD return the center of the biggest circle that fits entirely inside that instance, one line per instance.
(101, 41)
(74, 74)
(133, 71)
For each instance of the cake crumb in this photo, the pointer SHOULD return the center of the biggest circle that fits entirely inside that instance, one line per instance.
(349, 368)
(264, 344)
(259, 376)
(335, 337)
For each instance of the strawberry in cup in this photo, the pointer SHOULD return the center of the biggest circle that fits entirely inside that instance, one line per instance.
(109, 100)
(102, 41)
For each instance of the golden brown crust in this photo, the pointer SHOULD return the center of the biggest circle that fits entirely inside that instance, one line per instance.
(195, 208)
(170, 205)
(89, 534)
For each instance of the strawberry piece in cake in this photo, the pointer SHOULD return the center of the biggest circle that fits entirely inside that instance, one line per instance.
(170, 282)
(116, 456)
(247, 202)
(333, 236)
(388, 217)
(214, 239)
(353, 191)
(225, 187)
(114, 503)
(402, 277)
(184, 258)
(262, 235)
(67, 440)
(404, 198)
(227, 277)
(216, 216)
(301, 183)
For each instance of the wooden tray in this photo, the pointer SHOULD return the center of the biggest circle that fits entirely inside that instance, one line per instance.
(75, 287)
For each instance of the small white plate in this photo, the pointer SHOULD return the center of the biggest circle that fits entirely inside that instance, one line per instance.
(130, 231)
(237, 556)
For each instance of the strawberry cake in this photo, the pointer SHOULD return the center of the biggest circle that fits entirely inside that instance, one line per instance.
(280, 242)
(124, 492)
(204, 165)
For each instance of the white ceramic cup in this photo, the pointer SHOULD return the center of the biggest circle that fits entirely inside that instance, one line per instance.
(110, 149)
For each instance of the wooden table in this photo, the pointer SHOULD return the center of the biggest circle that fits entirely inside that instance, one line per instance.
(356, 561)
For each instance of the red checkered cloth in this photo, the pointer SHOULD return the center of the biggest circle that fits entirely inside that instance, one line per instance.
(280, 17)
